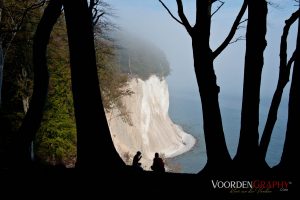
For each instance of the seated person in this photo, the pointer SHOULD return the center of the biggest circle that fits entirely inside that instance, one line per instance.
(158, 164)
(135, 162)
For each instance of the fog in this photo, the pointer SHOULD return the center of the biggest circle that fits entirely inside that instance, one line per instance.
(148, 19)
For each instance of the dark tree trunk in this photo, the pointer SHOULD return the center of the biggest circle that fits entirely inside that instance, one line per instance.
(284, 74)
(288, 159)
(255, 45)
(95, 148)
(217, 153)
(1, 52)
(32, 120)
(1, 70)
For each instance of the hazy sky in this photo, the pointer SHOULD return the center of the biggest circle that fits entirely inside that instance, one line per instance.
(149, 20)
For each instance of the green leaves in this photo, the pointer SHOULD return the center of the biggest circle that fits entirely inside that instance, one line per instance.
(112, 81)
(56, 139)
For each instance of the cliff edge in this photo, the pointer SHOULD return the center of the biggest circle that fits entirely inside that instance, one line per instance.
(151, 129)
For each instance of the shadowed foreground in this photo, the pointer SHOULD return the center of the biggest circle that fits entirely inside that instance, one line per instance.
(134, 184)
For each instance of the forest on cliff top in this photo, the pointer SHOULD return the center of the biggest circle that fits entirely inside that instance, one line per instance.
(117, 58)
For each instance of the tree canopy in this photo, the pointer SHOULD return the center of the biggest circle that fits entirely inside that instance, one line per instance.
(141, 58)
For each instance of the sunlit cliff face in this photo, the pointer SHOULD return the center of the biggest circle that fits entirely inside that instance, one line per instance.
(152, 129)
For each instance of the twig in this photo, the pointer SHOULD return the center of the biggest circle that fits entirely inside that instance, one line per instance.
(232, 32)
(171, 14)
(219, 7)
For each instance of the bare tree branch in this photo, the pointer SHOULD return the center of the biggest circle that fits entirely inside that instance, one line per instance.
(241, 37)
(219, 7)
(183, 18)
(18, 25)
(232, 32)
(94, 11)
(28, 9)
(100, 11)
(243, 21)
(283, 44)
(171, 14)
(97, 17)
(290, 62)
(237, 39)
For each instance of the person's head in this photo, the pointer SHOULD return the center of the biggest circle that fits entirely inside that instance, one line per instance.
(138, 153)
(156, 155)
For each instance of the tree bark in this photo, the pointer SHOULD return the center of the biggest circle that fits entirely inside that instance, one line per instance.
(95, 148)
(33, 117)
(1, 54)
(217, 153)
(1, 70)
(254, 60)
(284, 74)
(287, 162)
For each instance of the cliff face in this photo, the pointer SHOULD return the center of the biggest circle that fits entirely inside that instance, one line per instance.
(152, 129)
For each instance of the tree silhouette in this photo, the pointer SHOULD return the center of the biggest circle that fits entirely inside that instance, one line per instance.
(95, 148)
(287, 163)
(254, 60)
(217, 152)
(248, 148)
(21, 150)
(12, 19)
(284, 74)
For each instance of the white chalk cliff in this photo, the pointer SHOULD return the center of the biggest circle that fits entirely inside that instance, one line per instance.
(152, 129)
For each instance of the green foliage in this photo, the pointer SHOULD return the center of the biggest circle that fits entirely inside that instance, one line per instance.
(17, 25)
(141, 58)
(112, 82)
(120, 58)
(17, 74)
(56, 139)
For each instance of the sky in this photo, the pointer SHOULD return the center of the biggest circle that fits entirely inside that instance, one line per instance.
(149, 20)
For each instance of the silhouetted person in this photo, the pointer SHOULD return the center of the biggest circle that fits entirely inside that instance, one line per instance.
(158, 164)
(135, 163)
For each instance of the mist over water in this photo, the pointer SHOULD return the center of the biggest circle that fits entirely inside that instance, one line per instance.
(149, 20)
(185, 110)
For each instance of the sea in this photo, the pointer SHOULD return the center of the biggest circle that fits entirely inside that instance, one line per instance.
(185, 110)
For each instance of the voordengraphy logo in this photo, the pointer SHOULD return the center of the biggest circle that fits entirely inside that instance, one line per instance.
(260, 186)
(231, 184)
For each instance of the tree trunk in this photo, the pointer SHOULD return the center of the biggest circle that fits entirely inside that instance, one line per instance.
(217, 153)
(33, 117)
(283, 79)
(1, 53)
(1, 70)
(287, 162)
(255, 45)
(95, 148)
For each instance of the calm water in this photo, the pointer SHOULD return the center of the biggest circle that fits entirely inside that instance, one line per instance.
(185, 110)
